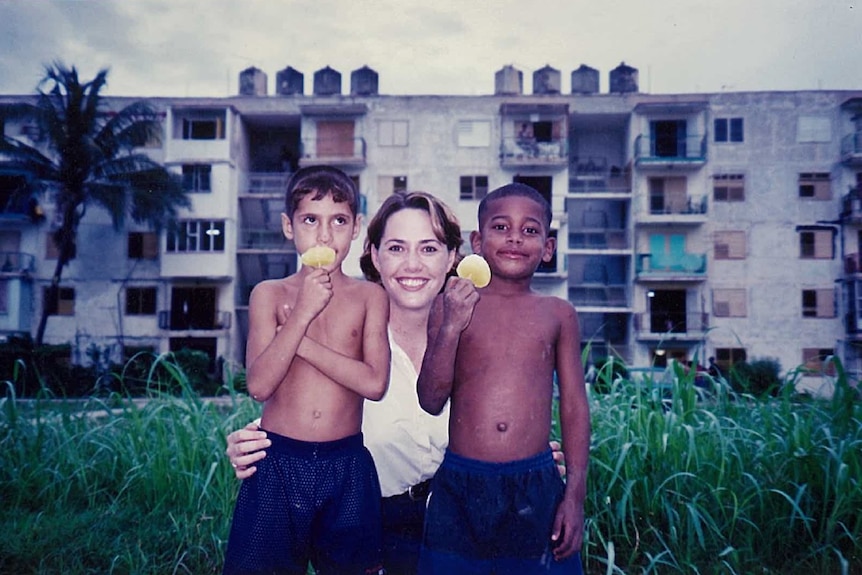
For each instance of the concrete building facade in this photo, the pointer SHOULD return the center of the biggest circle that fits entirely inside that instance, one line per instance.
(724, 225)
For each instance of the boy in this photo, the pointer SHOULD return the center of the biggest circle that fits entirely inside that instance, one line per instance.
(498, 504)
(317, 347)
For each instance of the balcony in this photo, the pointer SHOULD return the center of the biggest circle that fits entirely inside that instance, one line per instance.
(16, 264)
(175, 320)
(593, 176)
(267, 183)
(680, 152)
(515, 152)
(599, 239)
(597, 295)
(671, 267)
(665, 210)
(851, 206)
(851, 149)
(666, 325)
(333, 151)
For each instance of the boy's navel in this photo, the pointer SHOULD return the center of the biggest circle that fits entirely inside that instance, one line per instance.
(501, 427)
(316, 414)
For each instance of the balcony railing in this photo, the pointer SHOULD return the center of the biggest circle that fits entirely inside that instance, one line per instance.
(519, 152)
(598, 239)
(669, 324)
(267, 182)
(16, 263)
(332, 151)
(685, 265)
(262, 239)
(180, 322)
(599, 296)
(689, 149)
(851, 147)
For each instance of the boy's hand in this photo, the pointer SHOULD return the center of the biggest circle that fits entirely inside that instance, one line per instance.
(314, 293)
(459, 299)
(245, 448)
(568, 534)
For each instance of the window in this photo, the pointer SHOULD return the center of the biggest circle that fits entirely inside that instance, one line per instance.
(392, 133)
(63, 305)
(727, 357)
(388, 185)
(474, 134)
(143, 245)
(196, 177)
(196, 236)
(336, 139)
(4, 290)
(668, 195)
(818, 303)
(813, 129)
(816, 244)
(141, 301)
(729, 245)
(728, 187)
(814, 360)
(815, 186)
(729, 302)
(729, 130)
(474, 187)
(203, 129)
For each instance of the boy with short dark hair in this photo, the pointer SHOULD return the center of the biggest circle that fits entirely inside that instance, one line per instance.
(498, 504)
(317, 347)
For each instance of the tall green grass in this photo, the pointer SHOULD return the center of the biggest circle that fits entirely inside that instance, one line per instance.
(678, 483)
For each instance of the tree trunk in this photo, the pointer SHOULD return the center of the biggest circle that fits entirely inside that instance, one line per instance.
(66, 235)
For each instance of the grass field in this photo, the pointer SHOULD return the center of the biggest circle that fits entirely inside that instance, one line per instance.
(677, 483)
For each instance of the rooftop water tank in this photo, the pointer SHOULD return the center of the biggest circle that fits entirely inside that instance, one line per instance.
(363, 82)
(623, 79)
(585, 80)
(289, 82)
(546, 81)
(508, 81)
(327, 82)
(252, 82)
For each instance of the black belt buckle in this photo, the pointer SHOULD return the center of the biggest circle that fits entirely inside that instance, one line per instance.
(419, 491)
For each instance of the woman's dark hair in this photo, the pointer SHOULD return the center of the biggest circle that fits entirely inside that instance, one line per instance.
(445, 224)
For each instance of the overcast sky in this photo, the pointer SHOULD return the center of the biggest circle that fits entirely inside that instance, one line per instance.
(198, 47)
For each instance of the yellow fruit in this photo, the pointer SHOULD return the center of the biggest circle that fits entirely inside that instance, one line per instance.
(318, 257)
(475, 268)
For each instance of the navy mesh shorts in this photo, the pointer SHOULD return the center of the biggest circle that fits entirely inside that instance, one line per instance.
(493, 518)
(317, 502)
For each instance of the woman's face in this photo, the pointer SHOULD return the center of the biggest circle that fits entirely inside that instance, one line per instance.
(411, 260)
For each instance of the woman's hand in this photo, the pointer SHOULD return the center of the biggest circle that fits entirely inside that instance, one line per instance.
(245, 448)
(556, 451)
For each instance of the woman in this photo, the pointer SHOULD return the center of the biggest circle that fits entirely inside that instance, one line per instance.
(411, 248)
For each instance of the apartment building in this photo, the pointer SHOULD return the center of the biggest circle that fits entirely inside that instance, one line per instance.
(724, 225)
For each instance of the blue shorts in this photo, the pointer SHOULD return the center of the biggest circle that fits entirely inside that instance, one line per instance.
(317, 502)
(494, 518)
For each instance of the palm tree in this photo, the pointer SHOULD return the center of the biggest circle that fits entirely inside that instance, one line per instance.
(90, 158)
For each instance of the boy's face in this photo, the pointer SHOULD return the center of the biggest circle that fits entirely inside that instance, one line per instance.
(322, 222)
(513, 238)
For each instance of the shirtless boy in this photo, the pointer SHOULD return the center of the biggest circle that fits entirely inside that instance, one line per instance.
(498, 504)
(317, 347)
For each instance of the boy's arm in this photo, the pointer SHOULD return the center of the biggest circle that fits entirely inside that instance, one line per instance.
(369, 377)
(273, 338)
(575, 427)
(450, 315)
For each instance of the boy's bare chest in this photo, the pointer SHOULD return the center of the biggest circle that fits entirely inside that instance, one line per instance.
(512, 327)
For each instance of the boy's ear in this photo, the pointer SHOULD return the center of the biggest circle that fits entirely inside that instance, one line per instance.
(476, 242)
(357, 225)
(286, 226)
(550, 246)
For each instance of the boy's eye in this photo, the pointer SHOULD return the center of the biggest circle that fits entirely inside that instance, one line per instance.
(499, 227)
(531, 231)
(341, 221)
(309, 219)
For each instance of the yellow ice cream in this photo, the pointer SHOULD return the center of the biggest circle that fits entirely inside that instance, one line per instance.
(475, 268)
(318, 257)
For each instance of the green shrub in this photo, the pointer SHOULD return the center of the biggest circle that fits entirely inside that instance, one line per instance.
(760, 377)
